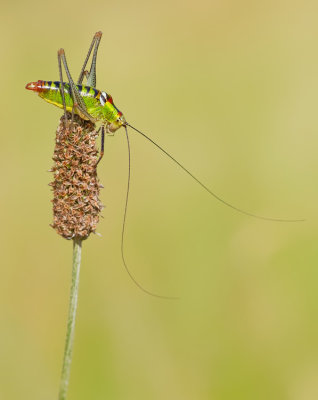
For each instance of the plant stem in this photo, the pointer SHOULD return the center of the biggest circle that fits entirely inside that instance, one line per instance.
(77, 251)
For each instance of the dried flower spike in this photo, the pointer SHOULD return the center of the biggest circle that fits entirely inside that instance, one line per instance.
(76, 205)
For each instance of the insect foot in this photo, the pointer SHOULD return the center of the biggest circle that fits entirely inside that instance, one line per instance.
(76, 204)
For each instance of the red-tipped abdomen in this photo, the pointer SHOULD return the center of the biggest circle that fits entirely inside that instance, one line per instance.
(38, 86)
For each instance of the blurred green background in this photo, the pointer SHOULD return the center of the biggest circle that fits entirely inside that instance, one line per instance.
(230, 89)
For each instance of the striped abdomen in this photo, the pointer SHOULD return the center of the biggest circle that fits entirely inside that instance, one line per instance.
(98, 104)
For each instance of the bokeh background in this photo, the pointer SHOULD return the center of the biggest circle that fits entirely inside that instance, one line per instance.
(231, 90)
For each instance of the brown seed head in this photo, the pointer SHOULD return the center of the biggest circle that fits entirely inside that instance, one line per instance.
(76, 205)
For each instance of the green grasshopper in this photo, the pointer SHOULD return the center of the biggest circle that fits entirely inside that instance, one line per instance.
(98, 106)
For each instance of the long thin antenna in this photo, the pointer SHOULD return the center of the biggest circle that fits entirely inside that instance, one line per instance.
(210, 191)
(123, 233)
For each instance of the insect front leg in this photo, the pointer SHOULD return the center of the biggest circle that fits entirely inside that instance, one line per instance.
(102, 143)
(108, 131)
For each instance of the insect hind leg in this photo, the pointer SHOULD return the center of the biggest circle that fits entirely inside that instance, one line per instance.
(78, 102)
(62, 86)
(91, 75)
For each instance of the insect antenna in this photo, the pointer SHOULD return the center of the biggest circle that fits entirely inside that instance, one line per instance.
(123, 233)
(210, 191)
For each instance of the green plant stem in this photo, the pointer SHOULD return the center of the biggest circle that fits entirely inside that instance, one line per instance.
(77, 251)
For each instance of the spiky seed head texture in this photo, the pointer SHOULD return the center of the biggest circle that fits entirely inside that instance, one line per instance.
(76, 204)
